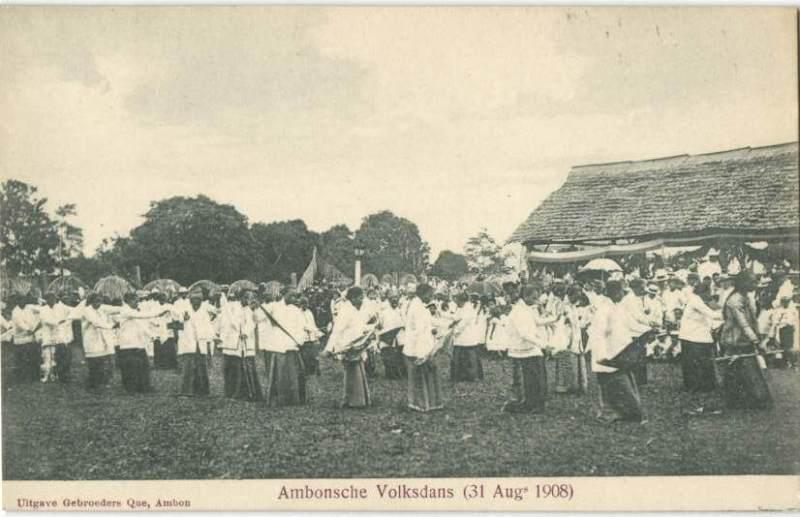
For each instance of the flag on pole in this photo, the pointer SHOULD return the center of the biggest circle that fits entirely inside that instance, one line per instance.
(307, 280)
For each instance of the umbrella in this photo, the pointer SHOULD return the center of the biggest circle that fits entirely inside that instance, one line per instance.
(408, 279)
(601, 264)
(113, 287)
(12, 286)
(163, 285)
(485, 288)
(204, 284)
(242, 285)
(66, 284)
(369, 280)
(273, 288)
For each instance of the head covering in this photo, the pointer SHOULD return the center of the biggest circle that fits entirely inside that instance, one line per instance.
(653, 288)
(661, 275)
(183, 290)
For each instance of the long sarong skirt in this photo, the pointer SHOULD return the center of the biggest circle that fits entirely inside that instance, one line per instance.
(529, 385)
(465, 365)
(744, 385)
(620, 394)
(266, 355)
(287, 380)
(135, 370)
(356, 387)
(424, 389)
(195, 375)
(241, 378)
(570, 378)
(697, 366)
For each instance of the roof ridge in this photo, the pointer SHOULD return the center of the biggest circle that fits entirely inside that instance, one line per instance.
(673, 157)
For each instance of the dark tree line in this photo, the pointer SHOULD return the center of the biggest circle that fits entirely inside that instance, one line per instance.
(192, 238)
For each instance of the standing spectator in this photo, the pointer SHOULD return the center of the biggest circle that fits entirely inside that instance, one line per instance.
(743, 381)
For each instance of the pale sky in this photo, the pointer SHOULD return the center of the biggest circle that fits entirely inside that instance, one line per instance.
(456, 118)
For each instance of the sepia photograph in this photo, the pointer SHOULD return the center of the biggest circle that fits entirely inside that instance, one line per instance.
(420, 246)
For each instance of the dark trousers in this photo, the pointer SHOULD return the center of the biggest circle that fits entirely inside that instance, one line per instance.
(99, 371)
(394, 364)
(28, 361)
(309, 352)
(465, 365)
(135, 370)
(63, 362)
(697, 365)
(165, 355)
(786, 340)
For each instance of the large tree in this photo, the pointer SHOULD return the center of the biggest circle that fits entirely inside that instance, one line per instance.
(391, 244)
(28, 235)
(337, 248)
(70, 237)
(283, 248)
(484, 255)
(191, 238)
(450, 266)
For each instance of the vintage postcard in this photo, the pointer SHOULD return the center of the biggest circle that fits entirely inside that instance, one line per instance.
(399, 258)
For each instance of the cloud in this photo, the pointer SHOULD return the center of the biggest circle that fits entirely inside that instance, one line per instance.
(456, 118)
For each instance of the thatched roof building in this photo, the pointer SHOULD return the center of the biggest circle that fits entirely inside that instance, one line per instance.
(750, 193)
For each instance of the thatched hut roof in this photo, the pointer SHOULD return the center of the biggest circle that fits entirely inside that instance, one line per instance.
(750, 191)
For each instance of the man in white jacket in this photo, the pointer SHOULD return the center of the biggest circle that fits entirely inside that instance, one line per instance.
(526, 336)
(27, 350)
(424, 390)
(133, 335)
(56, 337)
(194, 343)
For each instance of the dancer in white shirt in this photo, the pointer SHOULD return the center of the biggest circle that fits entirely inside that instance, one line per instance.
(424, 389)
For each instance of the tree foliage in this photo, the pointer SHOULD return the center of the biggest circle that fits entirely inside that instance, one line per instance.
(450, 266)
(282, 248)
(70, 237)
(484, 254)
(27, 233)
(193, 238)
(391, 244)
(187, 239)
(337, 248)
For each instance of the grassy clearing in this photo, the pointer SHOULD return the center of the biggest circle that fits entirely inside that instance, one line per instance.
(63, 432)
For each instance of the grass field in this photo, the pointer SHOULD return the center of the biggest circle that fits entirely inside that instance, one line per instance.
(53, 431)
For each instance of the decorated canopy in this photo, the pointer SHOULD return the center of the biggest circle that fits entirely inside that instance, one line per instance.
(113, 287)
(66, 284)
(163, 285)
(204, 284)
(242, 285)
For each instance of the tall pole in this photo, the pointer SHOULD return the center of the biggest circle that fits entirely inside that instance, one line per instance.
(357, 277)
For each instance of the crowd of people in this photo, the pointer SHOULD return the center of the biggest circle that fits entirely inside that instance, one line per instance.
(603, 329)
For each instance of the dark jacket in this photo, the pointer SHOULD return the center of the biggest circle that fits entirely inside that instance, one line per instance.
(740, 327)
